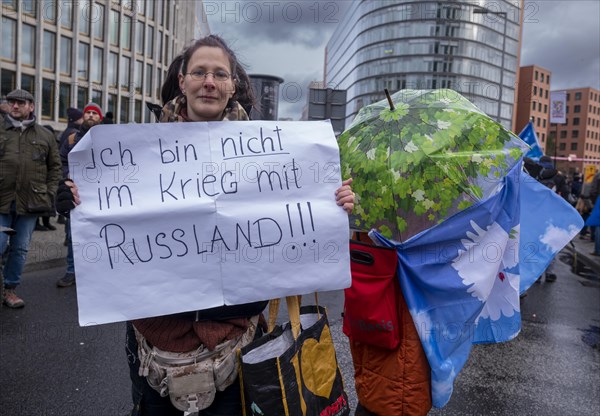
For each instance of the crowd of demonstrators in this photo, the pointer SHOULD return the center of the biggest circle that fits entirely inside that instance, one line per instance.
(593, 221)
(206, 83)
(29, 175)
(91, 116)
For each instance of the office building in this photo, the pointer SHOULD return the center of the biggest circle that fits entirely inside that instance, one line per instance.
(579, 138)
(113, 52)
(471, 47)
(533, 101)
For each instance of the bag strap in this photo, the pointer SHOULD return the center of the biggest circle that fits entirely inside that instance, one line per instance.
(293, 305)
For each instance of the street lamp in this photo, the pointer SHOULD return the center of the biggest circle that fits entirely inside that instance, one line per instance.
(483, 10)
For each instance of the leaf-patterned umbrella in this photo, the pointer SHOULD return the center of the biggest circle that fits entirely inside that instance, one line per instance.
(420, 157)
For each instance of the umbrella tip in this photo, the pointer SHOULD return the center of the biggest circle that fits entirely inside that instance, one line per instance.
(387, 94)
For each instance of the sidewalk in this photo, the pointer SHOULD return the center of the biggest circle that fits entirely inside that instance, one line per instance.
(584, 247)
(47, 249)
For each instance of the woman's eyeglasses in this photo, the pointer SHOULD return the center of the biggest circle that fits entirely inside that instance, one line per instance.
(200, 74)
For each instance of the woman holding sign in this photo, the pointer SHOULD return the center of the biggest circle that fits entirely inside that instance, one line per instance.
(212, 86)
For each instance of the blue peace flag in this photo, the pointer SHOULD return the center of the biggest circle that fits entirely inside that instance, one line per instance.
(528, 136)
(447, 274)
(462, 278)
(548, 223)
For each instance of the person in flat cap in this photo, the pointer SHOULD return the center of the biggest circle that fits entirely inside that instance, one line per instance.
(92, 115)
(29, 175)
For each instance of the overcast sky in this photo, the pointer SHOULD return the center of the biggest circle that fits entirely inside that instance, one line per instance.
(288, 38)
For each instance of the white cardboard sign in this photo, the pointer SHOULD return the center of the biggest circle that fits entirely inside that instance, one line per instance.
(185, 216)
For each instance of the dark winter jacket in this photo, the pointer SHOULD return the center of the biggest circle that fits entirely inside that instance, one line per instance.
(67, 145)
(29, 167)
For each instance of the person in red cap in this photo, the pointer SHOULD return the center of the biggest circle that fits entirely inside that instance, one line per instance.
(92, 115)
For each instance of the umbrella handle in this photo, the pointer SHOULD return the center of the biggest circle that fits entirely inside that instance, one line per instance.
(387, 94)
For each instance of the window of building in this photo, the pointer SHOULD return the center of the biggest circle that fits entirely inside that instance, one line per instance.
(159, 12)
(546, 94)
(548, 79)
(48, 98)
(158, 81)
(546, 108)
(563, 134)
(113, 27)
(126, 32)
(543, 137)
(138, 70)
(540, 107)
(159, 45)
(125, 70)
(97, 97)
(64, 102)
(567, 110)
(150, 42)
(538, 122)
(28, 82)
(574, 146)
(124, 112)
(83, 61)
(65, 55)
(49, 11)
(149, 71)
(542, 77)
(29, 7)
(112, 103)
(66, 17)
(98, 21)
(562, 146)
(150, 9)
(82, 97)
(541, 92)
(168, 17)
(576, 121)
(575, 134)
(533, 105)
(84, 15)
(138, 111)
(535, 75)
(49, 52)
(139, 37)
(113, 69)
(9, 38)
(9, 80)
(534, 90)
(577, 109)
(577, 96)
(28, 45)
(97, 65)
(544, 123)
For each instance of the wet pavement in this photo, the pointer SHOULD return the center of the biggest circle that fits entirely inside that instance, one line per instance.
(51, 366)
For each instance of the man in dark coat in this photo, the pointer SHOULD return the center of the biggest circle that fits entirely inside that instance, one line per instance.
(75, 118)
(29, 175)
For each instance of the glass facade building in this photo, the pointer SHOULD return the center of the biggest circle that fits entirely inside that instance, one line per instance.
(113, 52)
(471, 47)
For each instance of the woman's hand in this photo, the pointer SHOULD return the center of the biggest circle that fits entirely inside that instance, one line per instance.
(344, 196)
(67, 197)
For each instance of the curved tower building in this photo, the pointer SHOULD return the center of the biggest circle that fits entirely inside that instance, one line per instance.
(471, 47)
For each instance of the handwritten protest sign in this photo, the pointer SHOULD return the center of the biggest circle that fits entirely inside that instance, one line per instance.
(186, 216)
